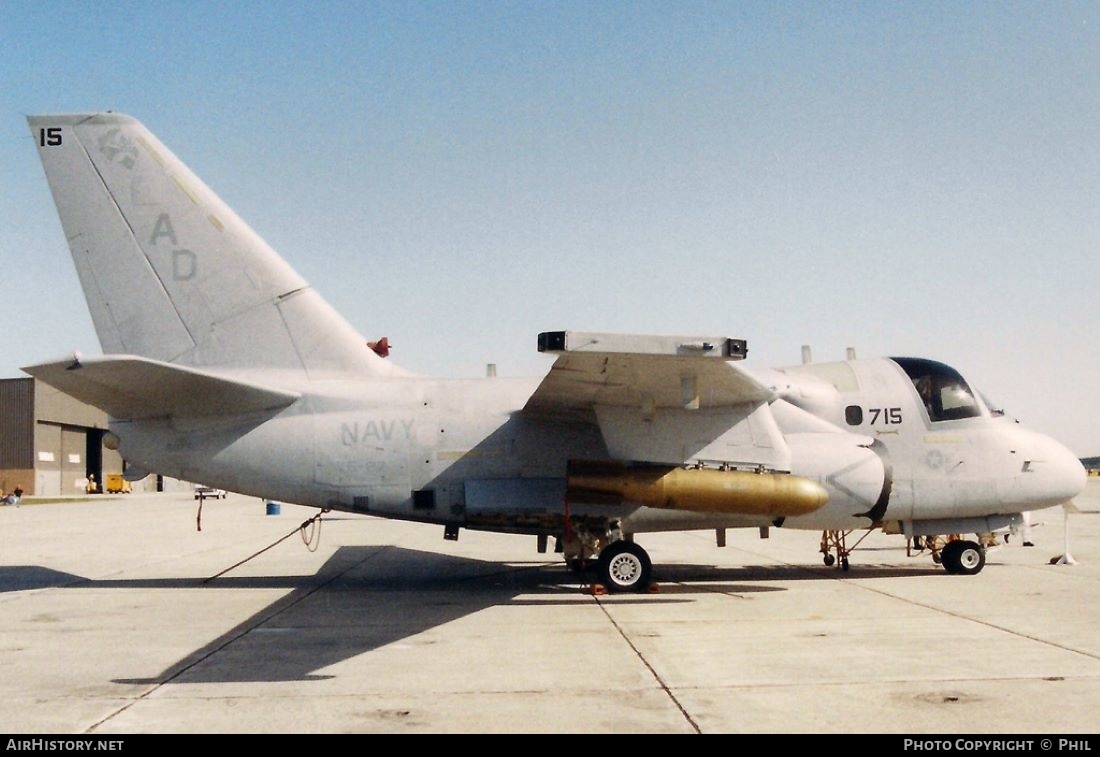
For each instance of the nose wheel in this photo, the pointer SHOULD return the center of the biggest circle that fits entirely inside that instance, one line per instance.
(965, 558)
(958, 556)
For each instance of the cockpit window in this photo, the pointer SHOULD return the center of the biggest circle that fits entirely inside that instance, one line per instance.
(943, 391)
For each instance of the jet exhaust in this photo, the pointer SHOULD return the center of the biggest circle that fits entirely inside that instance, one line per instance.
(698, 489)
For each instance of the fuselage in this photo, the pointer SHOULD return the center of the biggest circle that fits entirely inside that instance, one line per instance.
(231, 371)
(463, 452)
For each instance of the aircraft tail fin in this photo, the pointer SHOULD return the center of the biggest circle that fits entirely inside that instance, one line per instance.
(169, 271)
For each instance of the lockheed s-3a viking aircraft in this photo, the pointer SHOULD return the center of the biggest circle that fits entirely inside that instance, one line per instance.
(222, 365)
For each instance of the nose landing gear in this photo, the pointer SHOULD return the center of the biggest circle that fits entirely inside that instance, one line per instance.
(957, 555)
(965, 558)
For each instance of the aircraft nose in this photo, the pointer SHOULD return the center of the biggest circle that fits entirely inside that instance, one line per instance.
(1063, 475)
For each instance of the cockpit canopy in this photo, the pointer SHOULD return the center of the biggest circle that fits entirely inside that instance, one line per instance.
(945, 394)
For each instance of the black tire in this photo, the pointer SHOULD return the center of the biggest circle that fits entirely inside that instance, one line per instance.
(829, 560)
(844, 563)
(624, 566)
(964, 558)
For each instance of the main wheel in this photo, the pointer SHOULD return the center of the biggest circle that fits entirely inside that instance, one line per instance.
(624, 566)
(963, 557)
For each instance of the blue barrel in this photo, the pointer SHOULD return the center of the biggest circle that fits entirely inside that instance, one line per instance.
(274, 508)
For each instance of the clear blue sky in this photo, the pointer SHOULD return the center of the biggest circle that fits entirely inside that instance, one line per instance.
(904, 178)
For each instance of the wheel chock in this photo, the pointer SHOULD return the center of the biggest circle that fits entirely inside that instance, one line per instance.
(599, 590)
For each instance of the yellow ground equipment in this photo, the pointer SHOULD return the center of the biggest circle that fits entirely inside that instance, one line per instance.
(116, 484)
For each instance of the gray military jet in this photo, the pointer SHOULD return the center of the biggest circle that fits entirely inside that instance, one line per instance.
(223, 365)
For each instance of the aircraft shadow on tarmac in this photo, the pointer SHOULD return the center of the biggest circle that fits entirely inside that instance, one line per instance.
(712, 578)
(28, 577)
(364, 598)
(361, 599)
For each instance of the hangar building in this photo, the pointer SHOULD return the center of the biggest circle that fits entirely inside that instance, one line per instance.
(50, 443)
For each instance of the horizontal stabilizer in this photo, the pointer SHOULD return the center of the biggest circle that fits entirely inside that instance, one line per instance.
(129, 387)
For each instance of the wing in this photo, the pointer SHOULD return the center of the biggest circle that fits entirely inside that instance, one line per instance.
(644, 372)
(128, 387)
(662, 398)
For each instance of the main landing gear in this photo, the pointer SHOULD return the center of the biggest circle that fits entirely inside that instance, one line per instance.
(621, 565)
(624, 566)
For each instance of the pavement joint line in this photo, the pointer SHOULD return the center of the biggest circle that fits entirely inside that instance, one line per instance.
(656, 676)
(277, 608)
(1075, 574)
(885, 682)
(709, 590)
(830, 574)
(985, 623)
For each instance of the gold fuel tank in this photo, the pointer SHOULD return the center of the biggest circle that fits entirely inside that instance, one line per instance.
(699, 489)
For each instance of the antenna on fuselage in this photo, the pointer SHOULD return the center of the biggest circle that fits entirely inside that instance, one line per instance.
(807, 355)
(850, 353)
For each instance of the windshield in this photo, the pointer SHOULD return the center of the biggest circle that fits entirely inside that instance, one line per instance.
(944, 393)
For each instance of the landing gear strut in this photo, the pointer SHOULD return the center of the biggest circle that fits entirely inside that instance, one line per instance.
(834, 547)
